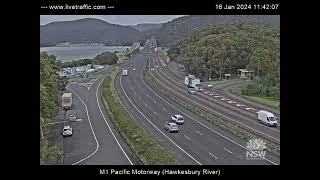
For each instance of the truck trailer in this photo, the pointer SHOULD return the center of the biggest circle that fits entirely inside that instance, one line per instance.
(192, 82)
(66, 100)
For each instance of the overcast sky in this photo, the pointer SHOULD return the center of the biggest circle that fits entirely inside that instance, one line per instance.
(113, 19)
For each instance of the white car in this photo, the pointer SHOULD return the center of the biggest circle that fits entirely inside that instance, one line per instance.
(67, 131)
(72, 117)
(152, 69)
(192, 91)
(134, 69)
(178, 119)
(171, 126)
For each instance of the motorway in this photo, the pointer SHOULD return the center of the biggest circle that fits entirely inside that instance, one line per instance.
(223, 90)
(198, 141)
(216, 104)
(95, 139)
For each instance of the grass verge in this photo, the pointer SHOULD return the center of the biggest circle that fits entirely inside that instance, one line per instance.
(232, 128)
(272, 102)
(146, 148)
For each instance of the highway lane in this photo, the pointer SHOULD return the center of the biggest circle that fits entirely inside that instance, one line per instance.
(82, 142)
(215, 106)
(223, 90)
(198, 142)
(105, 145)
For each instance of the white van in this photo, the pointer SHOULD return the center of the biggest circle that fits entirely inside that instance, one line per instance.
(267, 118)
(125, 72)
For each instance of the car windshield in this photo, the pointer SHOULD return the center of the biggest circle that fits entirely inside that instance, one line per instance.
(180, 118)
(271, 119)
(174, 126)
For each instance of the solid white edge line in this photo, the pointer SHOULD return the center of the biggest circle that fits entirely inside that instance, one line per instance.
(108, 123)
(204, 124)
(156, 126)
(224, 115)
(94, 135)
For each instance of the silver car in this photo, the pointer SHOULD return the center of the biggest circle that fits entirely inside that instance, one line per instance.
(192, 91)
(171, 126)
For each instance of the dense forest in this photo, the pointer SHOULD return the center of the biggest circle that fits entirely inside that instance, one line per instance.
(105, 58)
(183, 27)
(50, 87)
(90, 30)
(225, 48)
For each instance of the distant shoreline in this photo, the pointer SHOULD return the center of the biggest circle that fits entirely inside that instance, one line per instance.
(78, 44)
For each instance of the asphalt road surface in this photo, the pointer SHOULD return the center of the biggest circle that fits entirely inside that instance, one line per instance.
(95, 139)
(216, 104)
(198, 141)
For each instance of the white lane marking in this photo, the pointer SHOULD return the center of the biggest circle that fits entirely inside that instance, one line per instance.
(209, 127)
(227, 150)
(94, 81)
(206, 92)
(145, 105)
(250, 109)
(199, 133)
(187, 137)
(164, 109)
(155, 101)
(155, 113)
(208, 109)
(240, 105)
(213, 155)
(94, 135)
(224, 99)
(232, 102)
(108, 124)
(211, 94)
(156, 126)
(217, 96)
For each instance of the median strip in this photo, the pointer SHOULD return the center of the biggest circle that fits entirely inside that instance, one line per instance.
(142, 144)
(234, 129)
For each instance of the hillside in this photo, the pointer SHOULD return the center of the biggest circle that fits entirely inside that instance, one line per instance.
(183, 27)
(85, 31)
(146, 27)
(225, 48)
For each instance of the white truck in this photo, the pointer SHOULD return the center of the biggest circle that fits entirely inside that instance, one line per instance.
(192, 82)
(125, 72)
(267, 118)
(66, 100)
